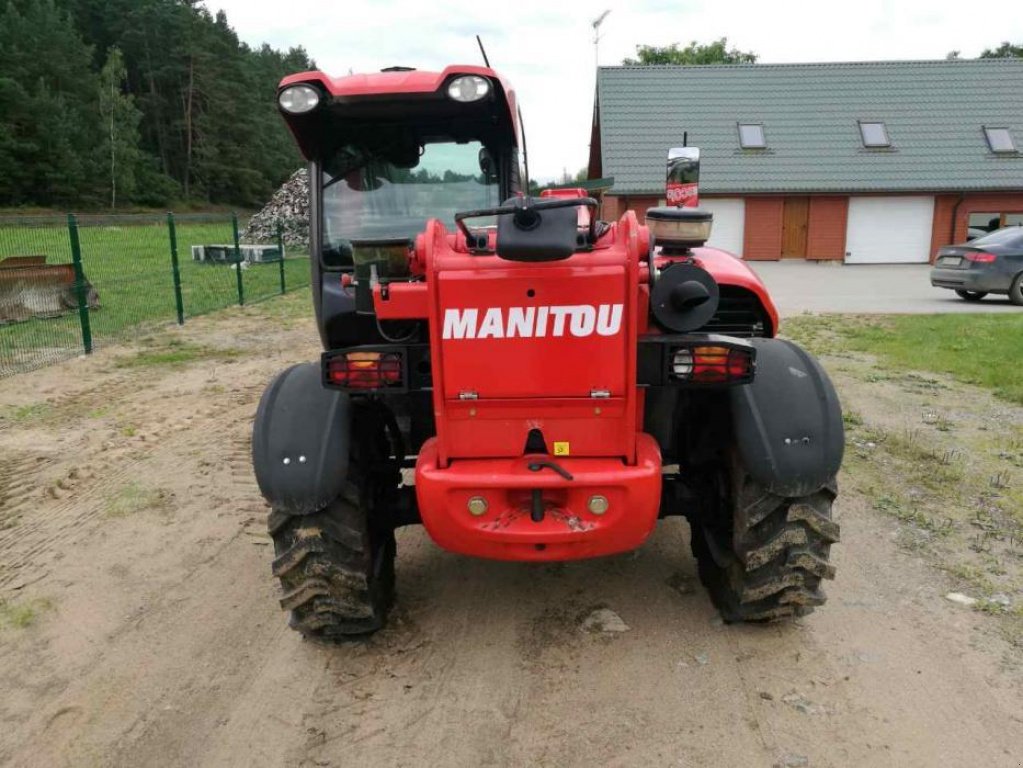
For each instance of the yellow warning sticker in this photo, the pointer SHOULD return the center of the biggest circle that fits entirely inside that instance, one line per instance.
(562, 448)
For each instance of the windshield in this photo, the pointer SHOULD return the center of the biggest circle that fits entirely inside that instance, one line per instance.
(370, 195)
(1006, 236)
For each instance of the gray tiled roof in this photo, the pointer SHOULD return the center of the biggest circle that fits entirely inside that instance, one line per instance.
(934, 111)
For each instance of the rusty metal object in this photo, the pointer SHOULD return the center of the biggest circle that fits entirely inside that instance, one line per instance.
(29, 287)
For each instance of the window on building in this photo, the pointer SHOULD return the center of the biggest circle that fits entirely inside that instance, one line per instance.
(874, 134)
(1000, 139)
(751, 136)
(980, 224)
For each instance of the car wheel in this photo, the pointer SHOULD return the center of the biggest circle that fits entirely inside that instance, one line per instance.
(1016, 291)
(971, 295)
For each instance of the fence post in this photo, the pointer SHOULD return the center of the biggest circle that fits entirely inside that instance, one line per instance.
(280, 252)
(81, 292)
(237, 259)
(178, 302)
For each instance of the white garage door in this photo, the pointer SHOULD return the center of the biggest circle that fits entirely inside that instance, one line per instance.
(889, 230)
(729, 222)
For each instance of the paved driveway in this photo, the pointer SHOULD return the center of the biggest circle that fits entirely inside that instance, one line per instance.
(798, 287)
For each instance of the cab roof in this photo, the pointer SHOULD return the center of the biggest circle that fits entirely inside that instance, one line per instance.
(396, 95)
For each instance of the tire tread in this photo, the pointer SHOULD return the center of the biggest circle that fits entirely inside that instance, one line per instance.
(777, 558)
(334, 583)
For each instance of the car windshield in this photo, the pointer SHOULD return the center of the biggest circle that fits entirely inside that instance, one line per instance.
(380, 195)
(1006, 236)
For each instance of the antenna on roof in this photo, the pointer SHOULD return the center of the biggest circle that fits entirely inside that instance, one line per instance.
(483, 51)
(596, 36)
(525, 152)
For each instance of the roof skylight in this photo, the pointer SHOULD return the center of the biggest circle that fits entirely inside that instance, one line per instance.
(999, 139)
(874, 134)
(751, 136)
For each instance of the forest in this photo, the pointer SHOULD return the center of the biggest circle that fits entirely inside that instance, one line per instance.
(137, 103)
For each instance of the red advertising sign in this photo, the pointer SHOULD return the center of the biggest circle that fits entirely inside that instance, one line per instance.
(682, 185)
(683, 195)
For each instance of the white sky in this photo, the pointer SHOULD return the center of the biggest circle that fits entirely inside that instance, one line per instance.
(545, 48)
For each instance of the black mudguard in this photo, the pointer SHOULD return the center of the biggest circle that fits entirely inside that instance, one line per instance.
(788, 421)
(300, 441)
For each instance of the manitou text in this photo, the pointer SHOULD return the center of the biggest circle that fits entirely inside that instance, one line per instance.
(533, 322)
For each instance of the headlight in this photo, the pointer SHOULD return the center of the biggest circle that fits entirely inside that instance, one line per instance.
(298, 99)
(468, 88)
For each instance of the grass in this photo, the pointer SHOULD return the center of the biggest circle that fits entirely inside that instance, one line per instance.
(972, 531)
(984, 350)
(133, 498)
(26, 414)
(23, 614)
(176, 353)
(128, 262)
(948, 470)
(908, 513)
(294, 309)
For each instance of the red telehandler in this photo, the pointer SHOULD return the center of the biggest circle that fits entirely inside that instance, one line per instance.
(554, 383)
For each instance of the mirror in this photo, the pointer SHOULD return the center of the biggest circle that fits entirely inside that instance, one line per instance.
(683, 177)
(486, 162)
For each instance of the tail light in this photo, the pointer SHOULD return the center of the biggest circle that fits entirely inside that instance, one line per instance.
(363, 370)
(980, 257)
(694, 360)
(707, 364)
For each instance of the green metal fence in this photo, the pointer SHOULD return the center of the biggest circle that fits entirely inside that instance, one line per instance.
(69, 285)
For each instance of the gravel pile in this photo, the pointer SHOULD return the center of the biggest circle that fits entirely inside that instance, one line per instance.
(289, 206)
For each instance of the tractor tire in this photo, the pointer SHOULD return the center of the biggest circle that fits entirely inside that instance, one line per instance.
(337, 574)
(970, 295)
(763, 556)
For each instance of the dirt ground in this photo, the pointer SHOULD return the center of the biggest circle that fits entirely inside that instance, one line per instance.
(140, 625)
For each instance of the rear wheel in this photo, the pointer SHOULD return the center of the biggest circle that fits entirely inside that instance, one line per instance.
(337, 574)
(971, 295)
(336, 565)
(763, 556)
(1016, 290)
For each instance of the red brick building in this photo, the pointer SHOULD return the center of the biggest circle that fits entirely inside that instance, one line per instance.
(875, 162)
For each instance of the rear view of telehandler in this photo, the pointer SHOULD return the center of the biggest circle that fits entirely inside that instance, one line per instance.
(557, 382)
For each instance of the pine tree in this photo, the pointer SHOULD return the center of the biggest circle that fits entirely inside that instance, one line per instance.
(143, 101)
(49, 138)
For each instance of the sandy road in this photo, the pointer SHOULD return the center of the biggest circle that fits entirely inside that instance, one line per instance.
(130, 520)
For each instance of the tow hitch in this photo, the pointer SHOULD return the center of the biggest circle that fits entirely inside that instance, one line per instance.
(536, 495)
